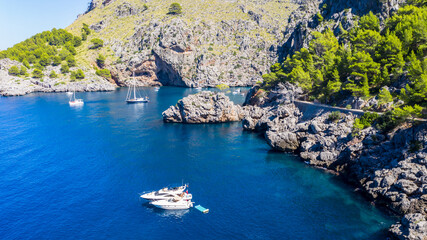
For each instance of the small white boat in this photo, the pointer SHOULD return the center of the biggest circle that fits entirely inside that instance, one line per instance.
(75, 101)
(199, 89)
(156, 89)
(236, 91)
(132, 96)
(69, 93)
(173, 204)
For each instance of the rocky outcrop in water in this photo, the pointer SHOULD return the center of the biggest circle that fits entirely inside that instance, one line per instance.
(204, 107)
(389, 168)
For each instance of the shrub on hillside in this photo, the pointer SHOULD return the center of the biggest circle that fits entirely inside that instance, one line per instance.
(389, 121)
(175, 8)
(37, 73)
(56, 61)
(365, 121)
(71, 61)
(334, 116)
(368, 119)
(77, 41)
(23, 71)
(14, 71)
(85, 31)
(96, 43)
(53, 74)
(100, 61)
(65, 68)
(105, 73)
(79, 74)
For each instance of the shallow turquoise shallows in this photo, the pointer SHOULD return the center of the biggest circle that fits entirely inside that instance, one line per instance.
(75, 173)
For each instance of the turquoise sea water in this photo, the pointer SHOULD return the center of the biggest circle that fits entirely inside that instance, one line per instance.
(75, 173)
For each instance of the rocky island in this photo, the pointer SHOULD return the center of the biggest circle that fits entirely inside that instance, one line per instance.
(204, 107)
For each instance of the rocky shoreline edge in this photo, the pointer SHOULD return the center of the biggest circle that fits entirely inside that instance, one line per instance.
(383, 167)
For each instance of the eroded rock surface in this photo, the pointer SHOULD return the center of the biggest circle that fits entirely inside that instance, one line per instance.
(204, 107)
(389, 168)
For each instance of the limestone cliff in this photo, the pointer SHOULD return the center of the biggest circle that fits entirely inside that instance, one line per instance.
(210, 43)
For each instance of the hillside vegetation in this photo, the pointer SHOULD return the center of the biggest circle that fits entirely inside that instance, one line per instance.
(387, 66)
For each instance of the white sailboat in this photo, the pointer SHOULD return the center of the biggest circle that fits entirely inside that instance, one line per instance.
(75, 101)
(133, 95)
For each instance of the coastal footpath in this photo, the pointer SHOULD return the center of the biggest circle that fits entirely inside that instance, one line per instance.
(384, 167)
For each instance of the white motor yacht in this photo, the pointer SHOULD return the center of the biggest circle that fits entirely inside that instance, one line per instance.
(154, 196)
(236, 92)
(173, 204)
(164, 191)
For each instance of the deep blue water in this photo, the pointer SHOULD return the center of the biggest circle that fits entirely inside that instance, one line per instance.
(75, 173)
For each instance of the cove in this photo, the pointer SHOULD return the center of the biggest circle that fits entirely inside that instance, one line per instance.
(75, 173)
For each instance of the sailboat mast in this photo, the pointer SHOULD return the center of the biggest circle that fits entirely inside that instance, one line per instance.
(134, 86)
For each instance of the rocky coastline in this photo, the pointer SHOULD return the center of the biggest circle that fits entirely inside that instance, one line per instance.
(384, 167)
(18, 86)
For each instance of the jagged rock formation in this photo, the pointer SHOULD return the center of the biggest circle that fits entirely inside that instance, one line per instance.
(412, 226)
(388, 168)
(204, 107)
(210, 43)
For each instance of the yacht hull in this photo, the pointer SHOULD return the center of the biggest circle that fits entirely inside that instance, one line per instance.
(154, 197)
(137, 101)
(76, 103)
(173, 206)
